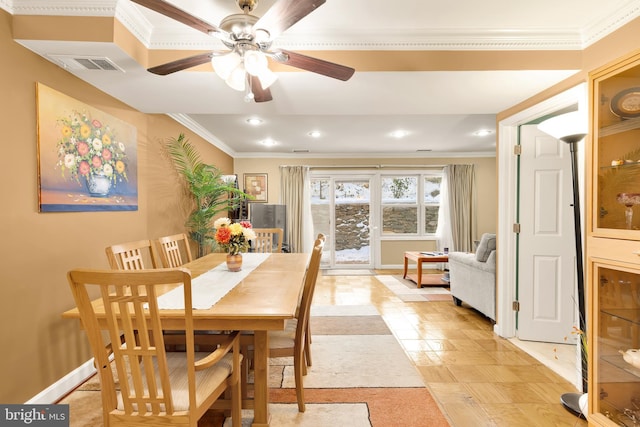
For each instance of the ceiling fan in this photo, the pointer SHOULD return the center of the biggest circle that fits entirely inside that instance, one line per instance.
(244, 66)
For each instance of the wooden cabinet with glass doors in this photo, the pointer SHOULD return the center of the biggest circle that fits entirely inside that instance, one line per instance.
(613, 244)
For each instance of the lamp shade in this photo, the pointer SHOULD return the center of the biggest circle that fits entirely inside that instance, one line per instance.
(267, 78)
(255, 62)
(569, 126)
(237, 78)
(223, 65)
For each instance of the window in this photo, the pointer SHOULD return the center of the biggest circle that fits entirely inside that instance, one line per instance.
(410, 204)
(431, 191)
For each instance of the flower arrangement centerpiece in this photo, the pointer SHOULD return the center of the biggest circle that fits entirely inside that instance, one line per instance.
(233, 238)
(90, 150)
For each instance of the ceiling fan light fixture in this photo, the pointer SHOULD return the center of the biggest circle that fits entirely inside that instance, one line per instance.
(255, 62)
(267, 78)
(224, 65)
(237, 79)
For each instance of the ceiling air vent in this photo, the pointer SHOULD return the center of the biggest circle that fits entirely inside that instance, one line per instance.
(77, 62)
(299, 150)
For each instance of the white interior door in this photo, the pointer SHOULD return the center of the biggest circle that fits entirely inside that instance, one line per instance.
(547, 267)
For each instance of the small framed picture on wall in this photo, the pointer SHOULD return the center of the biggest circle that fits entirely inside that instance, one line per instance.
(255, 185)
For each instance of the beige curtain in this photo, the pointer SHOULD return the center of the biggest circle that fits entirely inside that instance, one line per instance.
(295, 193)
(461, 197)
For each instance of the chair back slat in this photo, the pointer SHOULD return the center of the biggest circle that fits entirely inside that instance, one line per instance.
(132, 255)
(174, 250)
(267, 240)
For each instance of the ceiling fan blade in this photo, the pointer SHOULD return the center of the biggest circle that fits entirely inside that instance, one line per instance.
(259, 94)
(284, 13)
(169, 10)
(315, 65)
(181, 64)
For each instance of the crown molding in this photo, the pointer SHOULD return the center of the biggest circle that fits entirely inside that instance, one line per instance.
(597, 30)
(61, 7)
(195, 127)
(337, 39)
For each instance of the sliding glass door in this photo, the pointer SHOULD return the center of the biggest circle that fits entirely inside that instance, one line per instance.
(342, 210)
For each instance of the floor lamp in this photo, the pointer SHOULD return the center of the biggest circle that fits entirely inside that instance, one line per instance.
(571, 128)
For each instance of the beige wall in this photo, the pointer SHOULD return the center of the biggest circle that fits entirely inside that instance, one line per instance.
(391, 251)
(38, 249)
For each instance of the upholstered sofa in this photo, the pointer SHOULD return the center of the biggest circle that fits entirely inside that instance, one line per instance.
(473, 276)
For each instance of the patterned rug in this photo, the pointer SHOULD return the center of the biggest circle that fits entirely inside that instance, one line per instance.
(351, 382)
(407, 290)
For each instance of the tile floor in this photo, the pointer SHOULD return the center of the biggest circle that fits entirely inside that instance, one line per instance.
(477, 378)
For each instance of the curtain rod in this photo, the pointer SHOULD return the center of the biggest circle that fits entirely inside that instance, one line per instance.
(373, 166)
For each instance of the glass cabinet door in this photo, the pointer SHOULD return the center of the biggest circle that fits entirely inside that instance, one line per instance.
(617, 358)
(616, 126)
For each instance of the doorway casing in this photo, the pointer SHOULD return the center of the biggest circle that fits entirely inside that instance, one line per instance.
(507, 184)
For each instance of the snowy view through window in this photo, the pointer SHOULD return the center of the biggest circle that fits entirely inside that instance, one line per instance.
(400, 205)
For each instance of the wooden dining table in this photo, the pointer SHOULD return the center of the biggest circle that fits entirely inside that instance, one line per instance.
(263, 301)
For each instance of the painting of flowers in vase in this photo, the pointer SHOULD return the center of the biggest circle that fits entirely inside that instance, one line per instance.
(87, 159)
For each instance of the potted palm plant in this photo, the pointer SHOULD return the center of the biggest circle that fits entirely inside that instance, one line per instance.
(208, 190)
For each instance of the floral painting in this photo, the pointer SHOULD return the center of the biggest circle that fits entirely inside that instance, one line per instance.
(87, 159)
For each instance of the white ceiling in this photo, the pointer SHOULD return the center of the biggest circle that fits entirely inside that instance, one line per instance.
(440, 109)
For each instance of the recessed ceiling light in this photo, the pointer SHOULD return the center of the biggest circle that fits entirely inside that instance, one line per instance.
(399, 133)
(315, 134)
(254, 121)
(268, 142)
(483, 132)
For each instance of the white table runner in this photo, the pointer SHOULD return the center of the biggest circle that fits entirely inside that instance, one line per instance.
(208, 288)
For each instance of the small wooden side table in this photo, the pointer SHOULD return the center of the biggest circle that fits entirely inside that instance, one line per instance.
(420, 257)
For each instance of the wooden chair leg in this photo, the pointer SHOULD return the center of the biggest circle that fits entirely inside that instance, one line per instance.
(236, 406)
(244, 372)
(299, 367)
(307, 349)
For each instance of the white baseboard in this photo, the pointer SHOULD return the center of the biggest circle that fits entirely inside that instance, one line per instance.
(64, 385)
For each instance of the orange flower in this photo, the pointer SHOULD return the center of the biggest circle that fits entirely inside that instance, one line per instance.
(223, 235)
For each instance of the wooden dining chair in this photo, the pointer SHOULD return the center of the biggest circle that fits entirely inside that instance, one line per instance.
(267, 240)
(153, 387)
(307, 348)
(174, 250)
(291, 342)
(133, 255)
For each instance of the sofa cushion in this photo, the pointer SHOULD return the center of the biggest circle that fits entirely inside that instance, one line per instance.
(486, 246)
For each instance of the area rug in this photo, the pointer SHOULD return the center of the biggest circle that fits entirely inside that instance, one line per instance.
(360, 377)
(366, 407)
(407, 290)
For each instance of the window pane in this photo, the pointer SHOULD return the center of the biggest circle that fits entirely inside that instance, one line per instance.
(351, 231)
(399, 220)
(352, 191)
(320, 212)
(320, 190)
(399, 189)
(432, 189)
(431, 219)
